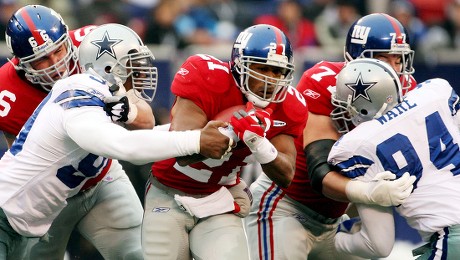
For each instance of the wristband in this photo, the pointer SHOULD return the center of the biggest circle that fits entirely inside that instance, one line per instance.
(132, 114)
(262, 149)
(357, 192)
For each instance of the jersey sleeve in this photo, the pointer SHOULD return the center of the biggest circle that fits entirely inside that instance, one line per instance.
(293, 111)
(315, 85)
(353, 157)
(77, 35)
(113, 141)
(203, 79)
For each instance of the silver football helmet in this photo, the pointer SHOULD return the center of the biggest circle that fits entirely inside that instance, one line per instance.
(365, 89)
(115, 52)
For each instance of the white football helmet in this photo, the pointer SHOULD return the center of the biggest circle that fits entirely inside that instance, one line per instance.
(366, 88)
(116, 52)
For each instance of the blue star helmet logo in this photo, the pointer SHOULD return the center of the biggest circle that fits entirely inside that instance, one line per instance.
(106, 45)
(360, 88)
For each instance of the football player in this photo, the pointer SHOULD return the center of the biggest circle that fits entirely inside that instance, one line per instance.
(193, 205)
(45, 51)
(300, 221)
(418, 135)
(70, 140)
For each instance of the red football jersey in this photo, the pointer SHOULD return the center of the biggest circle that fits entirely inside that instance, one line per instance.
(19, 97)
(314, 85)
(208, 82)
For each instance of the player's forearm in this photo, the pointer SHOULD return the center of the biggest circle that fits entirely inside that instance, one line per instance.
(139, 146)
(144, 119)
(334, 186)
(281, 170)
(144, 146)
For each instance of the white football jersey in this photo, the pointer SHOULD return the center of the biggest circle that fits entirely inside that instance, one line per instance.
(67, 141)
(420, 136)
(45, 166)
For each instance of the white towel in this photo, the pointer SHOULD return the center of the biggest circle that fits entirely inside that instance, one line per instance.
(218, 202)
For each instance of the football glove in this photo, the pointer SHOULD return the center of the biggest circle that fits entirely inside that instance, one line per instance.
(384, 190)
(120, 109)
(250, 127)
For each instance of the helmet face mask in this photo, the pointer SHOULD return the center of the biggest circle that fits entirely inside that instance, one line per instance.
(34, 32)
(380, 33)
(366, 89)
(122, 61)
(262, 45)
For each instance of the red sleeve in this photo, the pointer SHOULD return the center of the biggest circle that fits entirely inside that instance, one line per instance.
(290, 116)
(80, 33)
(315, 83)
(207, 82)
(18, 99)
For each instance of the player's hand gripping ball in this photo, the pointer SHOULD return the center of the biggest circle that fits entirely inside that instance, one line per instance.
(254, 120)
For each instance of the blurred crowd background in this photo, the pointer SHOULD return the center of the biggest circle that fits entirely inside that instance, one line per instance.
(433, 25)
(175, 29)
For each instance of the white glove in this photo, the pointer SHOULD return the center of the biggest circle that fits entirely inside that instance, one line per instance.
(384, 190)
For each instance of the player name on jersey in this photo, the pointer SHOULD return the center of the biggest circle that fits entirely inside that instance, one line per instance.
(396, 111)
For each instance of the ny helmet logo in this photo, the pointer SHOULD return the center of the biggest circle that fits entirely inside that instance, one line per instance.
(360, 34)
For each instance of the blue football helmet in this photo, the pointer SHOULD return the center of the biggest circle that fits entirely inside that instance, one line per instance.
(262, 44)
(35, 31)
(380, 33)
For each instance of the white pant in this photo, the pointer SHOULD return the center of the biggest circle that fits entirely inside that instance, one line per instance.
(108, 215)
(168, 232)
(285, 229)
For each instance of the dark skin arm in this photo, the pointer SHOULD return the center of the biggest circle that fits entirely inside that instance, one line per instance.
(282, 169)
(144, 118)
(186, 115)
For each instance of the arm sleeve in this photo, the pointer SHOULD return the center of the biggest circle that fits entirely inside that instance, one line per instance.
(92, 131)
(376, 237)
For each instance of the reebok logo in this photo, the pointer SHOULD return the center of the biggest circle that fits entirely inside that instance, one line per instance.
(311, 93)
(182, 71)
(160, 210)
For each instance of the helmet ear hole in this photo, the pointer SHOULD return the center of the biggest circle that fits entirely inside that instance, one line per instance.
(364, 112)
(107, 69)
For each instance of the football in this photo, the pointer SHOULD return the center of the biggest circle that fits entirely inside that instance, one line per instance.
(227, 113)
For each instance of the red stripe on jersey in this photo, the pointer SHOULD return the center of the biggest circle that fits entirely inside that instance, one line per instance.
(33, 29)
(279, 41)
(399, 38)
(93, 181)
